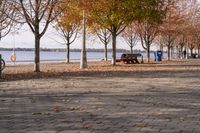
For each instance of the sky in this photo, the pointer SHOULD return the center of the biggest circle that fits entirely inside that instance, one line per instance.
(24, 39)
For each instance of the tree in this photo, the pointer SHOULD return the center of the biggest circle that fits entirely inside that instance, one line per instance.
(68, 25)
(171, 25)
(191, 28)
(153, 14)
(102, 33)
(160, 42)
(191, 38)
(198, 48)
(198, 41)
(130, 36)
(181, 43)
(69, 37)
(147, 33)
(104, 36)
(191, 41)
(7, 14)
(113, 15)
(38, 15)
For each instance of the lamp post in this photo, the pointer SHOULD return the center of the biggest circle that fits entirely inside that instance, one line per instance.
(83, 62)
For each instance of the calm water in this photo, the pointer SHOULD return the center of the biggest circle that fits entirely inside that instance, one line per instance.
(24, 57)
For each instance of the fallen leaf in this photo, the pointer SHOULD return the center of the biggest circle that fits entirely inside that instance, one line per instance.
(56, 109)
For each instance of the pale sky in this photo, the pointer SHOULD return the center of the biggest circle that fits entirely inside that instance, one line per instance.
(25, 39)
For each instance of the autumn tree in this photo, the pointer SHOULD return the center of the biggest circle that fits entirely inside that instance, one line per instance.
(159, 42)
(82, 6)
(130, 36)
(198, 48)
(191, 43)
(38, 14)
(113, 15)
(190, 9)
(198, 40)
(171, 25)
(68, 25)
(180, 43)
(152, 17)
(191, 38)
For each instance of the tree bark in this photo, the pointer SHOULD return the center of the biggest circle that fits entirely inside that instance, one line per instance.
(106, 52)
(148, 53)
(131, 49)
(171, 51)
(37, 49)
(181, 52)
(161, 47)
(168, 52)
(114, 37)
(191, 52)
(68, 53)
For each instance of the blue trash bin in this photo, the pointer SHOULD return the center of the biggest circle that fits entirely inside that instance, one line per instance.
(158, 55)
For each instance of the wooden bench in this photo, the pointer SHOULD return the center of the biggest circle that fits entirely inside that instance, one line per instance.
(194, 56)
(131, 58)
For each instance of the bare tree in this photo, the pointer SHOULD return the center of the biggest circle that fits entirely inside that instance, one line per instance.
(7, 14)
(130, 36)
(147, 33)
(104, 36)
(69, 36)
(38, 15)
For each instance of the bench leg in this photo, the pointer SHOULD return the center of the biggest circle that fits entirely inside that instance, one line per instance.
(137, 61)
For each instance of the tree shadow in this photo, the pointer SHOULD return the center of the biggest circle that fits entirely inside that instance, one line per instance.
(105, 74)
(100, 111)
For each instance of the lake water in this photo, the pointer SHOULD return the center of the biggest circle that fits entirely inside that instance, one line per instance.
(26, 57)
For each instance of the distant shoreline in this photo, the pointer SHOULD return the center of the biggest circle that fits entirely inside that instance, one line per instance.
(71, 50)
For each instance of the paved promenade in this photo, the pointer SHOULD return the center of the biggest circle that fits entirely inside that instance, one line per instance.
(163, 102)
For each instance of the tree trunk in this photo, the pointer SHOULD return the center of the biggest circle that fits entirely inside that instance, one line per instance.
(131, 49)
(187, 53)
(37, 50)
(198, 52)
(191, 52)
(181, 52)
(106, 52)
(161, 47)
(68, 53)
(148, 53)
(114, 37)
(168, 52)
(172, 52)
